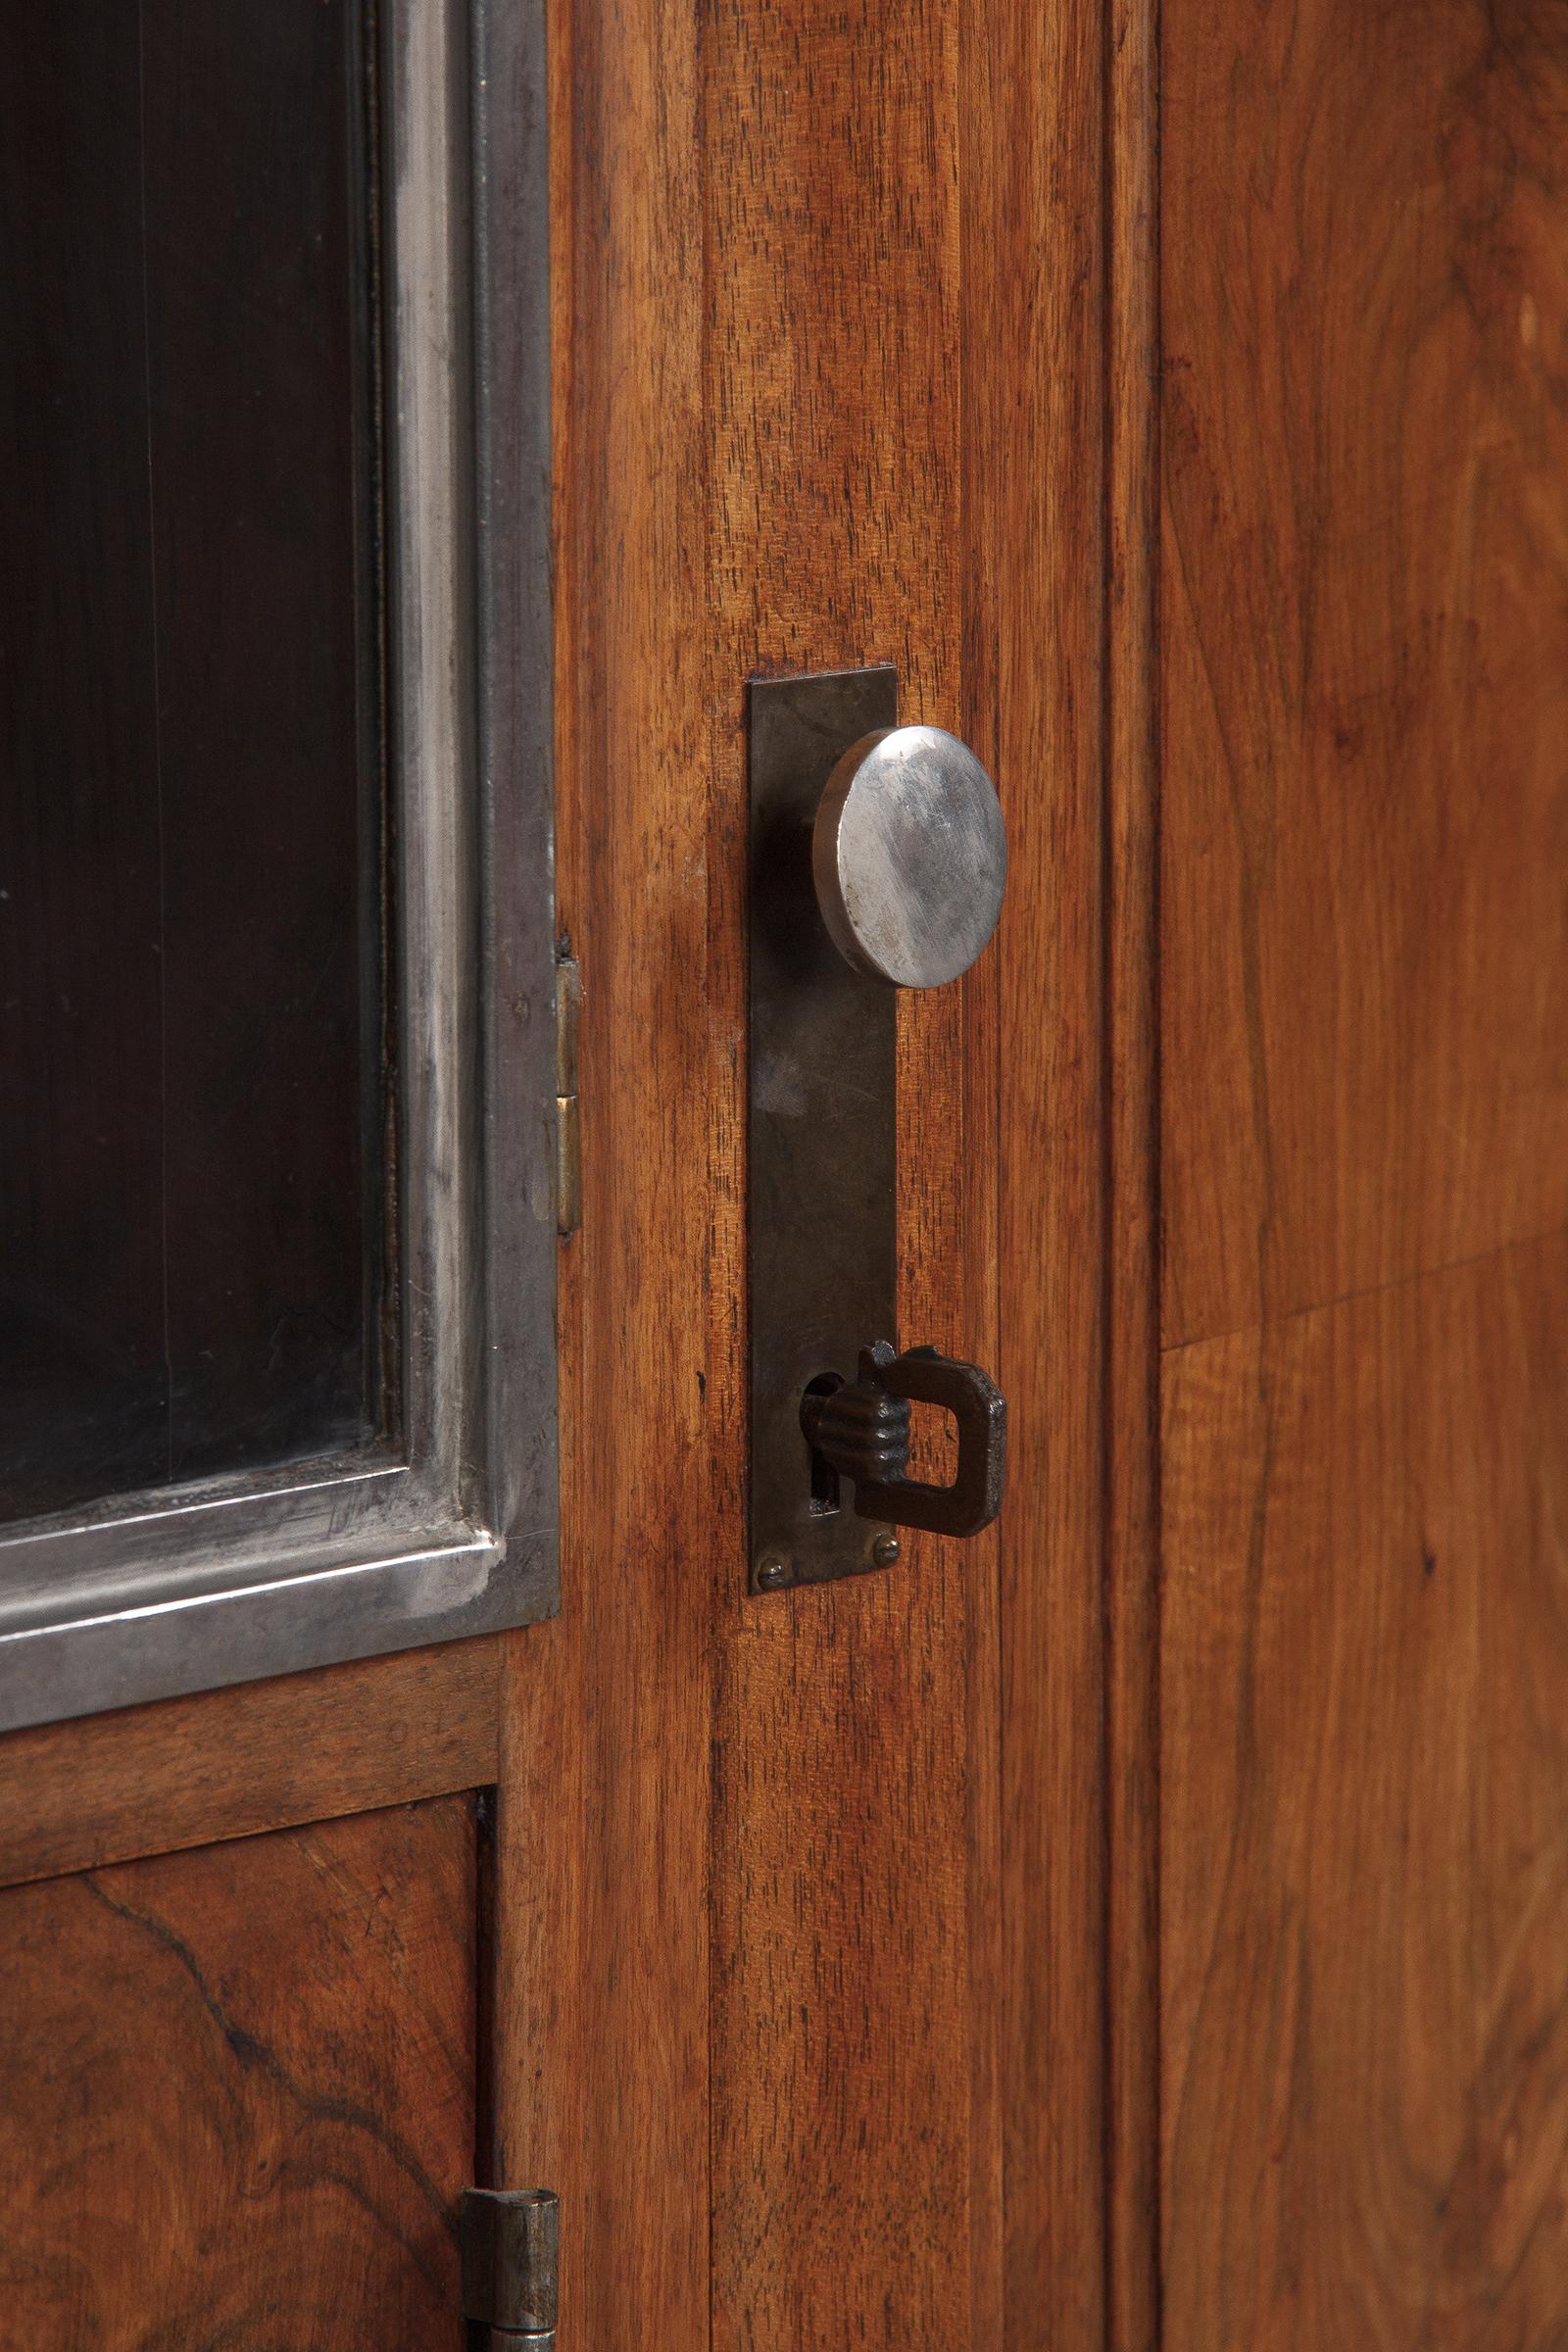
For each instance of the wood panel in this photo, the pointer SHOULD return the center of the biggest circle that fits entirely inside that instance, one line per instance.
(229, 1763)
(1365, 645)
(1363, 1058)
(1366, 1872)
(238, 2091)
(754, 2001)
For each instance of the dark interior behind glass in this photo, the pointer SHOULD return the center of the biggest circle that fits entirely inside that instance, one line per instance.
(192, 1096)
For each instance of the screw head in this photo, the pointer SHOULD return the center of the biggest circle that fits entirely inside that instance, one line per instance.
(885, 1551)
(772, 1570)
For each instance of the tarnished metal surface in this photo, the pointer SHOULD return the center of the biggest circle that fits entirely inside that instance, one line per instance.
(909, 856)
(510, 2242)
(823, 1272)
(863, 1431)
(877, 855)
(568, 1118)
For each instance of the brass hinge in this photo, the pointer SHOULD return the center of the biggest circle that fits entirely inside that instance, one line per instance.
(510, 2246)
(568, 1125)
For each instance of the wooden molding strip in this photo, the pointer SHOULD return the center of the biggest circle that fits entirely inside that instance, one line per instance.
(258, 1756)
(1132, 1383)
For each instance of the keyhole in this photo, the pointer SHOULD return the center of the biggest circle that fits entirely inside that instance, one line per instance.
(824, 1478)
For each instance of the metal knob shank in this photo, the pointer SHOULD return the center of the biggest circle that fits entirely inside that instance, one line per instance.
(909, 856)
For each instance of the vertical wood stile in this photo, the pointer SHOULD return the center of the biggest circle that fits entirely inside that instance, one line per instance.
(1031, 150)
(602, 1851)
(800, 1947)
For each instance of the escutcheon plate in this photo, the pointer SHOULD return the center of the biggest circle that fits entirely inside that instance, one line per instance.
(823, 1224)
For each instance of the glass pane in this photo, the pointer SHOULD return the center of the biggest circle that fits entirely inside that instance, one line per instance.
(191, 1099)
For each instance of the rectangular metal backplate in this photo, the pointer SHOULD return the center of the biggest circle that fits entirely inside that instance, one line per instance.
(823, 1161)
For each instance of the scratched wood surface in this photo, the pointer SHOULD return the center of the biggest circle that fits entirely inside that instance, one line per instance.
(1363, 1047)
(802, 2016)
(237, 2092)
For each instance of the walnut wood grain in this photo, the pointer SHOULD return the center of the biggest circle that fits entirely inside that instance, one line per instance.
(1034, 581)
(1363, 1045)
(1365, 645)
(229, 1763)
(856, 2184)
(1366, 1872)
(236, 2093)
(810, 1942)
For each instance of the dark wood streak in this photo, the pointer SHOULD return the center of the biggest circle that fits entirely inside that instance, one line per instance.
(275, 2043)
(253, 2054)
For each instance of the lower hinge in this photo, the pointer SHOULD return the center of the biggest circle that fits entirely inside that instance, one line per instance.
(510, 2242)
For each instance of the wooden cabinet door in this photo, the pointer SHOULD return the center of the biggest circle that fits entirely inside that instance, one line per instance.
(723, 1958)
(1140, 1925)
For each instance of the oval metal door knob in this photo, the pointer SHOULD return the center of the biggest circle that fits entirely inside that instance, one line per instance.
(909, 856)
